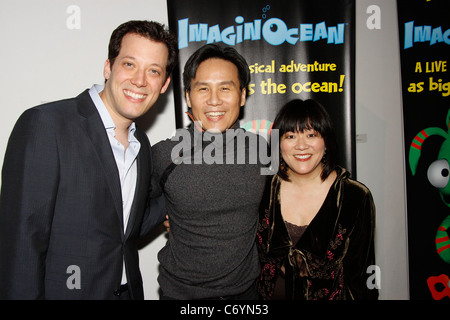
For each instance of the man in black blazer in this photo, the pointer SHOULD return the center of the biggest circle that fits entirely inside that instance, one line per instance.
(76, 180)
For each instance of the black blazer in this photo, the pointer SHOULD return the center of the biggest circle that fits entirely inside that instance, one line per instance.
(61, 208)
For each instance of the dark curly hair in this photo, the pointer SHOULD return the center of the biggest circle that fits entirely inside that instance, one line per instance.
(149, 29)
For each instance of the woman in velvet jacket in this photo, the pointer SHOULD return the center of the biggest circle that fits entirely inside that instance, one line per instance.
(316, 226)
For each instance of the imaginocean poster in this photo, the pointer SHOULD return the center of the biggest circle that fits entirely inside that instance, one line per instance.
(295, 50)
(425, 50)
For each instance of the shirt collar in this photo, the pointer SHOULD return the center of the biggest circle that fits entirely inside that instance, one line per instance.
(94, 92)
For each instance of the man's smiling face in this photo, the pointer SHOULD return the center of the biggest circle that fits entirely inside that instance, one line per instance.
(136, 79)
(215, 96)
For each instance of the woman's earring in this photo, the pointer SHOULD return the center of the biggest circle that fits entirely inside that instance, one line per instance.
(282, 165)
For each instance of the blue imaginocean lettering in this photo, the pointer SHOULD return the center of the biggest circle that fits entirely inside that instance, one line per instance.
(274, 31)
(424, 34)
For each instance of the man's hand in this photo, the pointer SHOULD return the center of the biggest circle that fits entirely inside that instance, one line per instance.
(166, 223)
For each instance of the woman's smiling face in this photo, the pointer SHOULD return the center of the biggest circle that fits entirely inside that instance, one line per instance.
(303, 151)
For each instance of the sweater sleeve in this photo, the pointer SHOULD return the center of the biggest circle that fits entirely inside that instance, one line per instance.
(160, 159)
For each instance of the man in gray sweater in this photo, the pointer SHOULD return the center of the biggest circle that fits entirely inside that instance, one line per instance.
(212, 177)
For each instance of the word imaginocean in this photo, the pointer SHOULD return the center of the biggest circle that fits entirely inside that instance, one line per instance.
(274, 31)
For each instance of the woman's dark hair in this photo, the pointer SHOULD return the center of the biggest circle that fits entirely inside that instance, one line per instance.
(149, 29)
(298, 115)
(210, 51)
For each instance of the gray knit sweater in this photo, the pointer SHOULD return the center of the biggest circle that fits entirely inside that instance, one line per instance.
(213, 213)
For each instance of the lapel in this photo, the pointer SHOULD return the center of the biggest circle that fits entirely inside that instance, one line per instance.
(142, 182)
(278, 234)
(319, 232)
(323, 228)
(93, 126)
